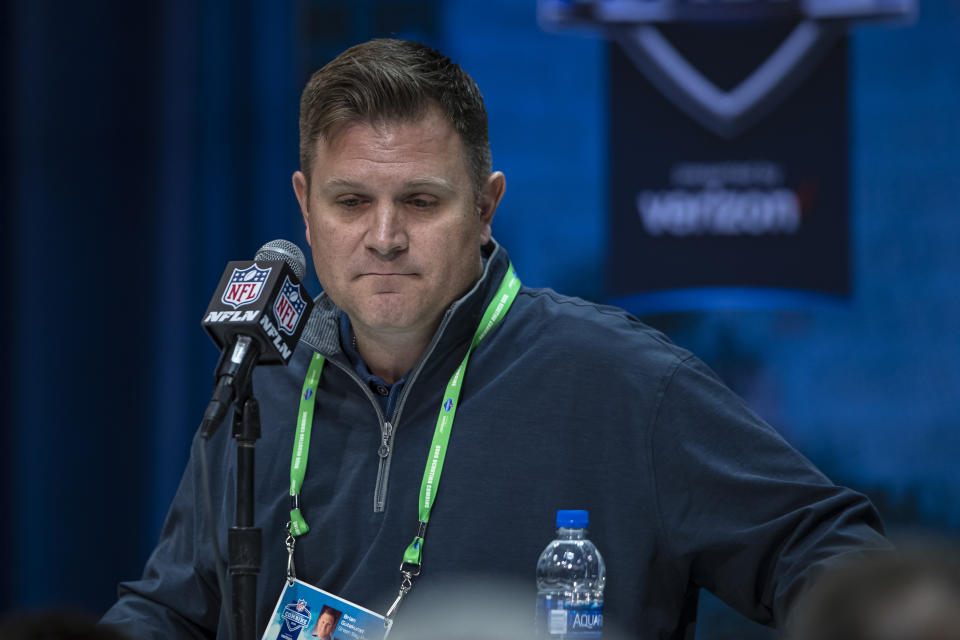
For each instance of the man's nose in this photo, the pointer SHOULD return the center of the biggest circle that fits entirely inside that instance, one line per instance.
(387, 236)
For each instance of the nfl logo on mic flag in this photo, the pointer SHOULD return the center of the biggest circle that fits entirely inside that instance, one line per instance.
(245, 286)
(289, 306)
(273, 306)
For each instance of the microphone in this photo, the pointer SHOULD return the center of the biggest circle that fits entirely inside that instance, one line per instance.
(256, 316)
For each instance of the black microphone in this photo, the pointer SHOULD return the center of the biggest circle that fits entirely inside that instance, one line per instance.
(256, 316)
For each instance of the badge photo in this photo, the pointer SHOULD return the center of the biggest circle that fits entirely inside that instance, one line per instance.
(304, 612)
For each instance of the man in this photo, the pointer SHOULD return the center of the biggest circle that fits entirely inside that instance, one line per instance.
(326, 623)
(558, 403)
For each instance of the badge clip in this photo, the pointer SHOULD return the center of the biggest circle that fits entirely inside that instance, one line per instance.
(409, 572)
(291, 542)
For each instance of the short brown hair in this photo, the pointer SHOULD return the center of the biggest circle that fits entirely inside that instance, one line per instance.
(388, 80)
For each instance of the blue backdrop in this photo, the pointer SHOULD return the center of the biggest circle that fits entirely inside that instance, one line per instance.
(146, 144)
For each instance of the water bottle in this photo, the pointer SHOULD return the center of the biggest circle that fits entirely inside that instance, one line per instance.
(570, 580)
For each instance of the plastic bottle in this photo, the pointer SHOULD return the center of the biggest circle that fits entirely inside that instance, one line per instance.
(570, 580)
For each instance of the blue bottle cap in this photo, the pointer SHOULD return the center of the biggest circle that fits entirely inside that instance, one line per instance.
(572, 518)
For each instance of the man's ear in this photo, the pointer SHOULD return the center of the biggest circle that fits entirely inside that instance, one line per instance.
(302, 191)
(490, 197)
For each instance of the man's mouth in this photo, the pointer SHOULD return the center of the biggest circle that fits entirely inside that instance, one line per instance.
(391, 274)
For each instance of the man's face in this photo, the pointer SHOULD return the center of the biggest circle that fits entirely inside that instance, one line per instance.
(393, 224)
(325, 625)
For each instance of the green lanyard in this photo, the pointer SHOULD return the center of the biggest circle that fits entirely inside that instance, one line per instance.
(413, 556)
(301, 443)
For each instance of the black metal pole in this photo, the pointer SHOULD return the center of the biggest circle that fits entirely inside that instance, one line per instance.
(244, 542)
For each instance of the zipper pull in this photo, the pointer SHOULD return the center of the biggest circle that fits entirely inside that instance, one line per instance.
(384, 450)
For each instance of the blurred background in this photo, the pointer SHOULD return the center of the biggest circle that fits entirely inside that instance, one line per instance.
(146, 144)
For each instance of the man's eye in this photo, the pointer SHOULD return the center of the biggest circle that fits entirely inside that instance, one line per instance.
(349, 203)
(421, 203)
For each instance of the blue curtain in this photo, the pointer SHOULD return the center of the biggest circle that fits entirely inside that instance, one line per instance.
(145, 144)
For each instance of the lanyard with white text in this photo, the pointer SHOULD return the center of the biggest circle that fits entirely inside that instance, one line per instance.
(297, 526)
(301, 443)
(412, 557)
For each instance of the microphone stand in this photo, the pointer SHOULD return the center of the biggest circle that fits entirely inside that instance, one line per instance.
(242, 339)
(234, 385)
(244, 541)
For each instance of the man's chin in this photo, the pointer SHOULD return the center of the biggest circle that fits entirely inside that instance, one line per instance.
(385, 321)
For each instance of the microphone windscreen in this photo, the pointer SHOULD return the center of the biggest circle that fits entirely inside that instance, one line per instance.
(285, 251)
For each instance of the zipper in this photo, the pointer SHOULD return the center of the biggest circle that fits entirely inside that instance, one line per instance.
(385, 451)
(388, 429)
(416, 371)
